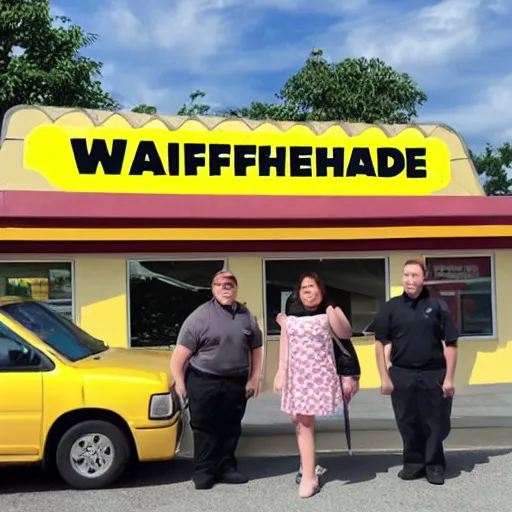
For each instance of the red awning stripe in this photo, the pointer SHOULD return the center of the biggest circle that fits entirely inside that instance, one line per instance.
(31, 208)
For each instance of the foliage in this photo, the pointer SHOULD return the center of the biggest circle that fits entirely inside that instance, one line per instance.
(142, 108)
(41, 61)
(357, 90)
(194, 106)
(353, 90)
(495, 166)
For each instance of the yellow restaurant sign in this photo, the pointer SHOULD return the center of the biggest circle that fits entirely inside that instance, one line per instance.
(155, 161)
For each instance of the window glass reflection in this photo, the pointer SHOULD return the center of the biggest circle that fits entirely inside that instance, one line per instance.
(465, 284)
(163, 294)
(48, 282)
(358, 286)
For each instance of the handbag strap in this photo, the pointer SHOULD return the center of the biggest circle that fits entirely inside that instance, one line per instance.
(340, 345)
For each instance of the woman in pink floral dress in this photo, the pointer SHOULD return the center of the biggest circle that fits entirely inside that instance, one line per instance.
(307, 376)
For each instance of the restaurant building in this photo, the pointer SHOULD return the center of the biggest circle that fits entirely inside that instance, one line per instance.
(120, 220)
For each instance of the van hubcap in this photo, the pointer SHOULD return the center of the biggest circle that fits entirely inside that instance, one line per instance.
(92, 455)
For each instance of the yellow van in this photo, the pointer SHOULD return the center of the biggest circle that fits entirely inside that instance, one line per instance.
(75, 405)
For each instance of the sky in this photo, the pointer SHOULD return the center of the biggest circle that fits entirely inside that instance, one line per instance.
(158, 51)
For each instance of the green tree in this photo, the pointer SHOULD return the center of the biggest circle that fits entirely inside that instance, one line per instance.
(353, 90)
(41, 62)
(145, 109)
(494, 165)
(194, 106)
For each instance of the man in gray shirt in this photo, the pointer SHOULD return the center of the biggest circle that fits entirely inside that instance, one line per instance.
(217, 365)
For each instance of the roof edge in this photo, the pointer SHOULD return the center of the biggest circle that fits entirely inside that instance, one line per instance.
(213, 122)
(79, 207)
(99, 117)
(466, 151)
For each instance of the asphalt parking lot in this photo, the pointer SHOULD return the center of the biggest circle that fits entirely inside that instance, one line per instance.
(477, 481)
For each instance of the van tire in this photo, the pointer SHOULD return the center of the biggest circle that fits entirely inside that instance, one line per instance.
(118, 451)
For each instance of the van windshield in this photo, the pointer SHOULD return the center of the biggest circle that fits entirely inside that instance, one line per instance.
(55, 330)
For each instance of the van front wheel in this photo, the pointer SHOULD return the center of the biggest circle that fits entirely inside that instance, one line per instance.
(92, 454)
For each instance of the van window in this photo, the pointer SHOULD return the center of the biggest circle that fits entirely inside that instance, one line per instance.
(15, 352)
(55, 330)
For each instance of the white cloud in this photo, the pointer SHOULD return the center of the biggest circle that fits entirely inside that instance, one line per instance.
(55, 10)
(424, 42)
(133, 87)
(423, 39)
(164, 49)
(327, 6)
(500, 6)
(190, 31)
(193, 31)
(127, 28)
(488, 117)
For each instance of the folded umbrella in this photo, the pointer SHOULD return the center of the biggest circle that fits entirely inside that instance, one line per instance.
(348, 434)
(346, 416)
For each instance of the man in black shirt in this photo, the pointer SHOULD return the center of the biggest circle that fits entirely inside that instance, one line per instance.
(420, 380)
(217, 365)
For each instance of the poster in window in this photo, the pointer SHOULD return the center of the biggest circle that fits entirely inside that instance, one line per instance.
(466, 286)
(458, 269)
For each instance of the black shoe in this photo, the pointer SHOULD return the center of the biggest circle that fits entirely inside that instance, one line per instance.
(232, 477)
(407, 473)
(203, 484)
(435, 476)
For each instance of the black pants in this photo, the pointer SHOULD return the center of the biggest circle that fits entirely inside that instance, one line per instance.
(422, 415)
(217, 407)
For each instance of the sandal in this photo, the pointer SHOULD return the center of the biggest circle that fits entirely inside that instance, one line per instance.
(319, 471)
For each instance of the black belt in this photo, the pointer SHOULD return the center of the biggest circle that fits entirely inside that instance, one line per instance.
(420, 368)
(237, 375)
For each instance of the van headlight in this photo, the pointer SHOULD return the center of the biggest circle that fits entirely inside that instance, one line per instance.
(161, 406)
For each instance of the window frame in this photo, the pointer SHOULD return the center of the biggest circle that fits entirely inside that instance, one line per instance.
(46, 364)
(462, 255)
(49, 260)
(159, 257)
(320, 256)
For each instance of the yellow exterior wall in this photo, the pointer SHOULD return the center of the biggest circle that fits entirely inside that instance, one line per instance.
(490, 361)
(101, 309)
(100, 299)
(100, 282)
(249, 273)
(480, 361)
(271, 362)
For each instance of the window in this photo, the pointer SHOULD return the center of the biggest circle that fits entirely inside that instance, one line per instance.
(15, 353)
(357, 286)
(49, 282)
(466, 285)
(162, 294)
(55, 330)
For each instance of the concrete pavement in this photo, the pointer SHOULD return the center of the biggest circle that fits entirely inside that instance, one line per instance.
(471, 404)
(478, 479)
(477, 482)
(482, 417)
